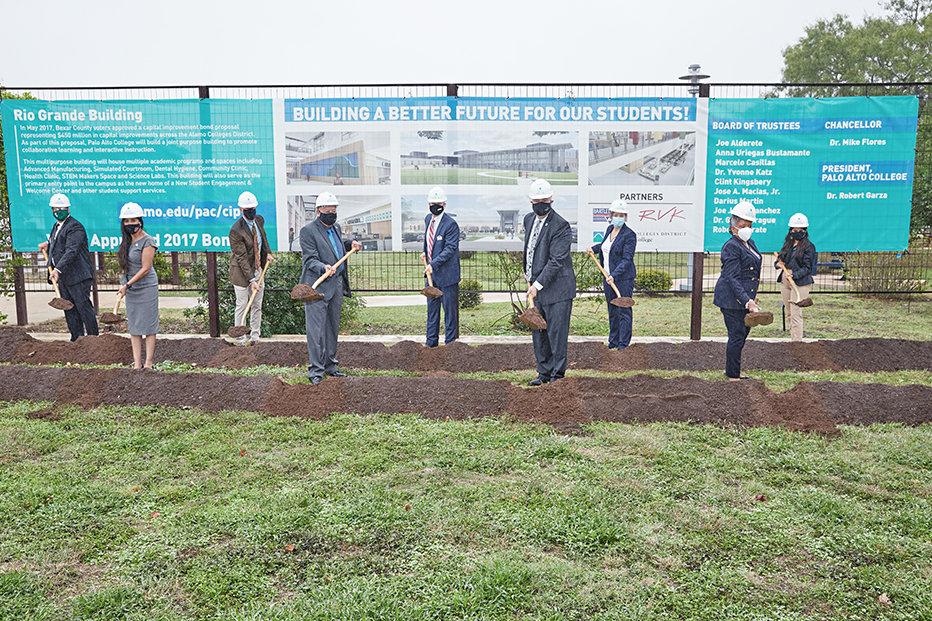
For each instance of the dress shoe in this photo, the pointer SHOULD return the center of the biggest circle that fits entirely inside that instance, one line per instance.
(315, 379)
(537, 381)
(336, 374)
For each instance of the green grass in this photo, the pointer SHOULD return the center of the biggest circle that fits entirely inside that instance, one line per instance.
(155, 513)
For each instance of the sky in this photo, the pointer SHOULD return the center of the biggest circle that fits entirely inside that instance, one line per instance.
(278, 42)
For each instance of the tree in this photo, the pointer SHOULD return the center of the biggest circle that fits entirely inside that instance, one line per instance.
(6, 239)
(882, 54)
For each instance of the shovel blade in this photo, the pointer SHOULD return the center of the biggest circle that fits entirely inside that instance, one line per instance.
(804, 303)
(533, 319)
(305, 293)
(758, 319)
(622, 302)
(110, 318)
(61, 304)
(238, 331)
(432, 292)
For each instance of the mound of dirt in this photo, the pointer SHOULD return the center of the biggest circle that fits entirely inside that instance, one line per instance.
(566, 404)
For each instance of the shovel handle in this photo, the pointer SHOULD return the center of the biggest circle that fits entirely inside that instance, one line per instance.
(116, 307)
(604, 273)
(334, 266)
(430, 282)
(788, 277)
(258, 282)
(54, 282)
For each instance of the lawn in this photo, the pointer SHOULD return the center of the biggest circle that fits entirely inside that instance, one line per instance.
(154, 513)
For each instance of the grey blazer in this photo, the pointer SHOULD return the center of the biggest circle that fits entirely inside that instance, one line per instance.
(316, 252)
(553, 262)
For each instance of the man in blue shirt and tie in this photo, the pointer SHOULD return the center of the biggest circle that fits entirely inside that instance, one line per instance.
(321, 247)
(442, 252)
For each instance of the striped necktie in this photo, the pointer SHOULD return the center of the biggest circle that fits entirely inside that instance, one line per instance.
(430, 239)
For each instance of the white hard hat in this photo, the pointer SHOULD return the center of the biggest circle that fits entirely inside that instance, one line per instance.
(247, 200)
(619, 206)
(540, 189)
(437, 195)
(799, 221)
(745, 211)
(130, 210)
(59, 201)
(325, 199)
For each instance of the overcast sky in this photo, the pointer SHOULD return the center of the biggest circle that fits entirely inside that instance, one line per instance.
(235, 42)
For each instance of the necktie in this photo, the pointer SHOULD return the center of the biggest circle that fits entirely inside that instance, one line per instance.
(336, 247)
(257, 246)
(430, 239)
(531, 243)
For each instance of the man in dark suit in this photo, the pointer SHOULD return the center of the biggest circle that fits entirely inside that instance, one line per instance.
(548, 269)
(72, 267)
(442, 251)
(322, 246)
(247, 258)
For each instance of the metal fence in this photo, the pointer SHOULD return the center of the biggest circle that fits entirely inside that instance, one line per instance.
(905, 272)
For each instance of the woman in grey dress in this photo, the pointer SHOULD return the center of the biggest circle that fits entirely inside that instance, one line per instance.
(140, 284)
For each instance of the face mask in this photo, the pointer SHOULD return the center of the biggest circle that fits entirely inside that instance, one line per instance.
(131, 229)
(249, 214)
(328, 218)
(60, 214)
(540, 209)
(745, 233)
(436, 209)
(618, 222)
(798, 235)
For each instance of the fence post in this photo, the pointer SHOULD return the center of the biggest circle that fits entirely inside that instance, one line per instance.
(176, 278)
(19, 289)
(213, 297)
(695, 312)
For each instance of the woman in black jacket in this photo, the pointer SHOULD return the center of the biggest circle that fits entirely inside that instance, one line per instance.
(799, 256)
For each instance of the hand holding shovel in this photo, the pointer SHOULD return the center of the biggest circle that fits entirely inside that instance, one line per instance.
(303, 293)
(238, 331)
(113, 317)
(618, 300)
(57, 302)
(786, 274)
(430, 290)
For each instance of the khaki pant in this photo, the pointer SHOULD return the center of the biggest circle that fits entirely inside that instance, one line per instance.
(255, 313)
(795, 312)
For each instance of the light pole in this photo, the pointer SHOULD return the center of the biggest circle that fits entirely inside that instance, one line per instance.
(695, 74)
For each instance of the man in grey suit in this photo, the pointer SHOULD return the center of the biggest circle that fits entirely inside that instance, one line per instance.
(321, 247)
(548, 269)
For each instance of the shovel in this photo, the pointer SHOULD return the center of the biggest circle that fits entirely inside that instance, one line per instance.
(238, 331)
(303, 293)
(57, 302)
(532, 318)
(430, 290)
(618, 300)
(800, 303)
(113, 317)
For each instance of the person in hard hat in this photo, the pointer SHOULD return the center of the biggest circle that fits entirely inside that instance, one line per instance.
(799, 256)
(249, 251)
(139, 283)
(736, 289)
(322, 246)
(442, 251)
(616, 255)
(72, 267)
(548, 269)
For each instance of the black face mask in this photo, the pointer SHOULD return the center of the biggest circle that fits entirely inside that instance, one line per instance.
(328, 218)
(131, 229)
(798, 235)
(249, 214)
(436, 209)
(540, 209)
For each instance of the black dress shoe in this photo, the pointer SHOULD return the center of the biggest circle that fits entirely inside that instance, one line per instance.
(537, 381)
(336, 374)
(315, 379)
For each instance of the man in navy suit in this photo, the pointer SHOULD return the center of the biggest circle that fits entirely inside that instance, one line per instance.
(548, 269)
(72, 267)
(442, 251)
(321, 247)
(616, 255)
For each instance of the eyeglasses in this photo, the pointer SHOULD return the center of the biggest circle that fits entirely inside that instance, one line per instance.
(327, 209)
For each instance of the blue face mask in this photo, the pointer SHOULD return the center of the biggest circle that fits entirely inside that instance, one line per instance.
(618, 222)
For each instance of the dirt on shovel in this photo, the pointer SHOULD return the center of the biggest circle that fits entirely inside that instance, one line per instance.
(758, 319)
(305, 293)
(114, 317)
(532, 318)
